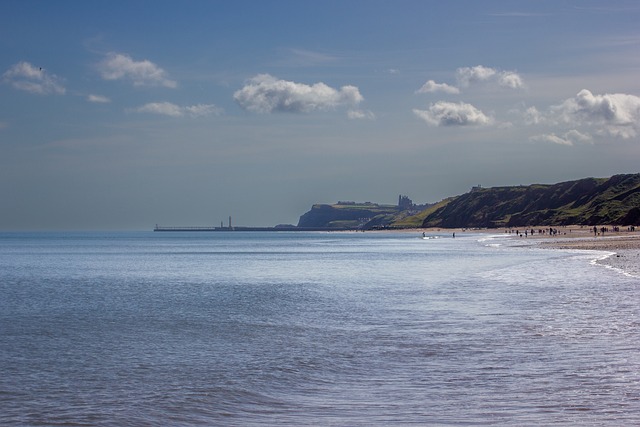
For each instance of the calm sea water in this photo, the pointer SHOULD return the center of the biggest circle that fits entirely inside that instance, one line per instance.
(344, 329)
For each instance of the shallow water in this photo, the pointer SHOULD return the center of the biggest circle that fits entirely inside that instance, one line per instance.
(312, 329)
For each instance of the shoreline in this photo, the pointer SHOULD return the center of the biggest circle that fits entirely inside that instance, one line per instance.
(624, 246)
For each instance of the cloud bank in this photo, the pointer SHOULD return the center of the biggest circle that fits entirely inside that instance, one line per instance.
(266, 94)
(453, 114)
(613, 115)
(117, 66)
(173, 110)
(575, 120)
(24, 76)
(617, 114)
(469, 76)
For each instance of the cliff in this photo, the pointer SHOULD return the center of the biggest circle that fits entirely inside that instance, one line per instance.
(589, 201)
(348, 215)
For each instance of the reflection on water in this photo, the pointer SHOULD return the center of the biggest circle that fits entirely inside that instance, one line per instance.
(312, 329)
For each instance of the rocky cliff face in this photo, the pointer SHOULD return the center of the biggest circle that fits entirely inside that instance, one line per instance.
(344, 216)
(589, 201)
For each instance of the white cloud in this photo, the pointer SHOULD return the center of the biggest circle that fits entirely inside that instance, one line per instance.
(201, 110)
(532, 116)
(431, 86)
(118, 66)
(453, 114)
(478, 74)
(266, 94)
(360, 115)
(510, 80)
(617, 114)
(173, 110)
(569, 138)
(99, 99)
(576, 136)
(25, 76)
(162, 108)
(551, 137)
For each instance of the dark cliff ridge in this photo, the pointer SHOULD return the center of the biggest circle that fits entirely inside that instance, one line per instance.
(346, 215)
(589, 201)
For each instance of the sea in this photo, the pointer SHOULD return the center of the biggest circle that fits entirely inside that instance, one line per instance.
(313, 329)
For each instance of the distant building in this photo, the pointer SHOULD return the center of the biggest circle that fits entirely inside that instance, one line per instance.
(404, 202)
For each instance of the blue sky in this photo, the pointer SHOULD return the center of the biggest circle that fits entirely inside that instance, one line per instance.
(121, 115)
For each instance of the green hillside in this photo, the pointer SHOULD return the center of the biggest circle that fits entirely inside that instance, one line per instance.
(589, 201)
(416, 220)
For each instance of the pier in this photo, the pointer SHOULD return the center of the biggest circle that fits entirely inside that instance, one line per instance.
(162, 228)
(190, 228)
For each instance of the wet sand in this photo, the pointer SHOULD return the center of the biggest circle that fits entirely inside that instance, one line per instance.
(624, 245)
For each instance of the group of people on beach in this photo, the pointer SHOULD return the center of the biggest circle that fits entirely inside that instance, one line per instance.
(553, 232)
(615, 229)
(542, 231)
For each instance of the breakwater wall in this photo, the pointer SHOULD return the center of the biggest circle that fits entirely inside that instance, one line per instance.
(161, 228)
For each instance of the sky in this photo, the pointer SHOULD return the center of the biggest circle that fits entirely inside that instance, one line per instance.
(119, 115)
